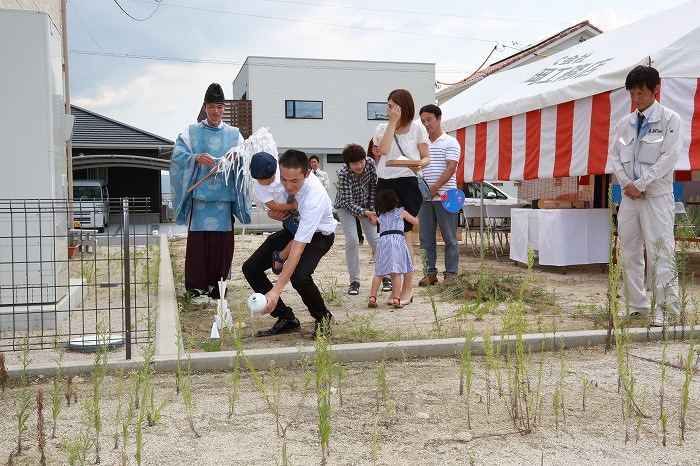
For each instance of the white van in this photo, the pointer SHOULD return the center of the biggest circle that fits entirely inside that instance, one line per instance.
(91, 204)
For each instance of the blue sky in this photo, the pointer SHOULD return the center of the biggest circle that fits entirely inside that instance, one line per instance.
(204, 41)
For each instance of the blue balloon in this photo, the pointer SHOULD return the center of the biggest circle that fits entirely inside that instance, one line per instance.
(452, 200)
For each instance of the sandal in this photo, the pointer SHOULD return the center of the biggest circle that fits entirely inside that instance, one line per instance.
(276, 259)
(396, 302)
(372, 302)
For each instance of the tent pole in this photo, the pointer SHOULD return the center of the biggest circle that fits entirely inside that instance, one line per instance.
(481, 214)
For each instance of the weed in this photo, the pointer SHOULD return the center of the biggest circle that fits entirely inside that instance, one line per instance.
(178, 339)
(40, 430)
(478, 309)
(488, 353)
(496, 287)
(120, 403)
(662, 391)
(126, 422)
(56, 389)
(375, 439)
(99, 370)
(360, 329)
(22, 413)
(141, 419)
(272, 403)
(3, 373)
(329, 291)
(187, 395)
(389, 409)
(559, 391)
(153, 410)
(521, 401)
(466, 370)
(323, 369)
(70, 393)
(685, 389)
(437, 325)
(340, 373)
(234, 377)
(76, 449)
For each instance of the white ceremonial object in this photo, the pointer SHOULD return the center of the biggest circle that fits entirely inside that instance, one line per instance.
(214, 331)
(257, 303)
(238, 157)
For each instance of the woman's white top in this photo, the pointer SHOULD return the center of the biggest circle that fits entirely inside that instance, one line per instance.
(416, 134)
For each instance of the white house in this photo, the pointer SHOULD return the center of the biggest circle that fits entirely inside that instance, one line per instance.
(319, 106)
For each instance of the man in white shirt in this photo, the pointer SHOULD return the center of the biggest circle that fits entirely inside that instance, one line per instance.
(322, 176)
(645, 149)
(313, 239)
(440, 176)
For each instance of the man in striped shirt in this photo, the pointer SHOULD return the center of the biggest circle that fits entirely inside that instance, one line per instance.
(440, 176)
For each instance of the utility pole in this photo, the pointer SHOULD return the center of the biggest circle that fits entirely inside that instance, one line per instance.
(66, 81)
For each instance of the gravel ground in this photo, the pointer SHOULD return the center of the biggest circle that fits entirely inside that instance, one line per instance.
(421, 421)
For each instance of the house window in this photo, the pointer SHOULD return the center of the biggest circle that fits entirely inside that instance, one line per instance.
(376, 111)
(303, 109)
(334, 158)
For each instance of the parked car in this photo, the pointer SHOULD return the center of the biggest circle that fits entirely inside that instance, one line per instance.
(91, 204)
(492, 195)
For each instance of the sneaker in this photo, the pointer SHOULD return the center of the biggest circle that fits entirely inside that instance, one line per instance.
(354, 289)
(657, 320)
(386, 285)
(633, 312)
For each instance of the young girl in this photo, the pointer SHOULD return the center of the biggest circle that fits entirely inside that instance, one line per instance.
(393, 256)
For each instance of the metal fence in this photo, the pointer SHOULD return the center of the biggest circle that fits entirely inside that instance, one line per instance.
(67, 277)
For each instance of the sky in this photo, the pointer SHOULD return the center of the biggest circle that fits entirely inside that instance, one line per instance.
(147, 63)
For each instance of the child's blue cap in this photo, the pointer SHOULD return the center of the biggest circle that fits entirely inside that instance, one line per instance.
(263, 166)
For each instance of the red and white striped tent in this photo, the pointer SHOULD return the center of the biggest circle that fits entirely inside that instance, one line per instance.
(554, 118)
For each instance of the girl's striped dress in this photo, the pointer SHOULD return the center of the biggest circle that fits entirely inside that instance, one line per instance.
(392, 254)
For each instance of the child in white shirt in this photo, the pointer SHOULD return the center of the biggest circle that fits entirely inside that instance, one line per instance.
(269, 190)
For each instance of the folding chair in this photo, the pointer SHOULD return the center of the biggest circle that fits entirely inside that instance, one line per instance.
(499, 226)
(471, 232)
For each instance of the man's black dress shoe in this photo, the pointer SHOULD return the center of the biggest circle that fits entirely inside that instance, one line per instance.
(281, 326)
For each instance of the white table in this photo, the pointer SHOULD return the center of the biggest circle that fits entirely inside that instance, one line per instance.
(561, 236)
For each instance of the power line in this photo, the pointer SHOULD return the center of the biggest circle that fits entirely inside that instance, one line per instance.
(158, 2)
(320, 23)
(384, 10)
(240, 63)
(421, 13)
(230, 62)
(85, 26)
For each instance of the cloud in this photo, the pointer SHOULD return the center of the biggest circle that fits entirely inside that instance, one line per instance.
(163, 99)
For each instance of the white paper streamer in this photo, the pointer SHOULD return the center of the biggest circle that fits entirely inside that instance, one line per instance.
(223, 314)
(261, 140)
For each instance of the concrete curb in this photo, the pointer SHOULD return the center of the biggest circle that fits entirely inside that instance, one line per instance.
(167, 319)
(362, 352)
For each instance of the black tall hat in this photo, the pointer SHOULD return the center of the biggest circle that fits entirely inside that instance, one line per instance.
(214, 94)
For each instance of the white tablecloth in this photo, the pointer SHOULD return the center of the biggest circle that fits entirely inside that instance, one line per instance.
(561, 236)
